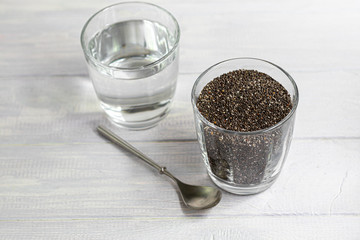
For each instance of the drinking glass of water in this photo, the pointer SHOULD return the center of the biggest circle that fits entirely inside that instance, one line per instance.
(131, 50)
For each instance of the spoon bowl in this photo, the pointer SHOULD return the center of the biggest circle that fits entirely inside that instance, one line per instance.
(199, 197)
(194, 197)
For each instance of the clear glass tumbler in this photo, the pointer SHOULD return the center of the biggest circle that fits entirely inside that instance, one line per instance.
(131, 50)
(244, 162)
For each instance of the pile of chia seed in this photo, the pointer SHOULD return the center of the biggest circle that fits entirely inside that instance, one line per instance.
(244, 101)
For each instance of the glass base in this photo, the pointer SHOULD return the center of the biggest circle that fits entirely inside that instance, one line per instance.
(137, 118)
(241, 189)
(138, 125)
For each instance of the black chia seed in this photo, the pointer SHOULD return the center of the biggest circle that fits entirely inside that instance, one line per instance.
(244, 101)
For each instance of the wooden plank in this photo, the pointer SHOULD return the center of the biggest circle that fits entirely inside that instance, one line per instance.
(61, 109)
(99, 180)
(306, 35)
(257, 227)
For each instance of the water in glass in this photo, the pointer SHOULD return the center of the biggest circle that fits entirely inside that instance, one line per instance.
(136, 78)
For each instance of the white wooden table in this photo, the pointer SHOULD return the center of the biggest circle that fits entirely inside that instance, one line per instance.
(60, 180)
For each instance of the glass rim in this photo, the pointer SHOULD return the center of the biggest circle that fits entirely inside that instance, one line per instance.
(146, 66)
(277, 125)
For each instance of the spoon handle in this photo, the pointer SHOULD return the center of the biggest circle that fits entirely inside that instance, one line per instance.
(122, 143)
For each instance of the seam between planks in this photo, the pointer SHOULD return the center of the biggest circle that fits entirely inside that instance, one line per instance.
(159, 141)
(190, 216)
(350, 70)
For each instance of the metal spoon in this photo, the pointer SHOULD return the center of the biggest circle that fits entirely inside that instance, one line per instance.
(195, 197)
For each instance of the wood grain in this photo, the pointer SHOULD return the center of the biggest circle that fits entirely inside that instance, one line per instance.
(318, 179)
(254, 227)
(61, 109)
(60, 180)
(42, 37)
